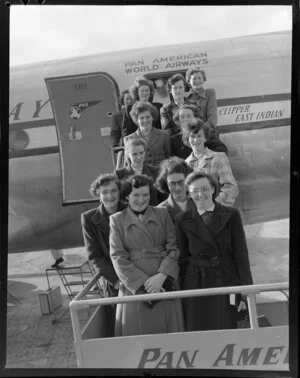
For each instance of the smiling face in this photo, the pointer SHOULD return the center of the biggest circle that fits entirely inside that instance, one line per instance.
(145, 120)
(177, 90)
(136, 155)
(175, 182)
(110, 195)
(201, 193)
(139, 198)
(185, 116)
(196, 81)
(144, 93)
(197, 140)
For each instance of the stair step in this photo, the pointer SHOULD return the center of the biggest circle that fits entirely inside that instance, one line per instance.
(76, 283)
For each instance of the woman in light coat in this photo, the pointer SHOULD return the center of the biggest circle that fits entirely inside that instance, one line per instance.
(214, 163)
(144, 253)
(158, 141)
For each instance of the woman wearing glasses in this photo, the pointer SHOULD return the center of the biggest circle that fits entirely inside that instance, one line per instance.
(213, 253)
(211, 162)
(173, 172)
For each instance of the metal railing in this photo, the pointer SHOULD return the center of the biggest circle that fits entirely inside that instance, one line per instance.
(249, 291)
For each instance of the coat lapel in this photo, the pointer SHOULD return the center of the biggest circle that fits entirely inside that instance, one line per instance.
(101, 219)
(154, 137)
(174, 209)
(172, 206)
(219, 219)
(194, 224)
(131, 220)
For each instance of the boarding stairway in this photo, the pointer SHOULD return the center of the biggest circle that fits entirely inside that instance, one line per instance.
(253, 348)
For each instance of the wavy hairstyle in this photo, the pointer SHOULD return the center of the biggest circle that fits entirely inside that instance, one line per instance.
(104, 179)
(173, 79)
(139, 81)
(141, 107)
(191, 72)
(133, 142)
(167, 167)
(193, 128)
(196, 111)
(136, 181)
(123, 96)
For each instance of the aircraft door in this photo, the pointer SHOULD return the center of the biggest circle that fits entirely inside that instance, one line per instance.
(83, 106)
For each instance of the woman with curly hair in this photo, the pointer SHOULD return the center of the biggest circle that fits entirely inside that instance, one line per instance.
(210, 162)
(95, 228)
(171, 177)
(135, 152)
(144, 254)
(142, 91)
(158, 142)
(176, 87)
(183, 116)
(204, 99)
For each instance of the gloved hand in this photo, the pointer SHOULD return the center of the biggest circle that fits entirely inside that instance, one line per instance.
(141, 290)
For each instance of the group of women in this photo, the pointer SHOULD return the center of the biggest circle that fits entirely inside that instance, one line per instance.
(166, 222)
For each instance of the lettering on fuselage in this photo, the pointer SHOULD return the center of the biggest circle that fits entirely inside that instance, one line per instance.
(166, 63)
(255, 112)
(230, 356)
(39, 105)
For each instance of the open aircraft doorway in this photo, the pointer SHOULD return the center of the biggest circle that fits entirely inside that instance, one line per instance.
(83, 106)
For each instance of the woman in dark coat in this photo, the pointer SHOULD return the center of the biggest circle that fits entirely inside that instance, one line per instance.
(135, 152)
(116, 136)
(186, 114)
(213, 253)
(172, 174)
(95, 229)
(144, 253)
(142, 91)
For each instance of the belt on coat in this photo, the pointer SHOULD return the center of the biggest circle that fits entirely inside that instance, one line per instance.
(149, 253)
(203, 262)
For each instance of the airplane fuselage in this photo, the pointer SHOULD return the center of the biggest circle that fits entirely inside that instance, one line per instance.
(252, 79)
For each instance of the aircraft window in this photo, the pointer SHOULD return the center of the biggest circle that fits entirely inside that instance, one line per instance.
(18, 140)
(163, 76)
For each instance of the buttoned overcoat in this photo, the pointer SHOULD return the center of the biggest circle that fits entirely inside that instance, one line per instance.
(224, 239)
(140, 249)
(95, 230)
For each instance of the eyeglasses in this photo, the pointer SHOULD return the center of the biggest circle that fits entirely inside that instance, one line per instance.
(198, 191)
(174, 183)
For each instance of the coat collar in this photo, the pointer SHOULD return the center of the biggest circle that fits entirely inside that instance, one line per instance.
(172, 206)
(209, 154)
(220, 217)
(201, 94)
(101, 216)
(131, 218)
(194, 223)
